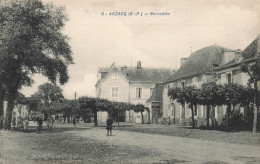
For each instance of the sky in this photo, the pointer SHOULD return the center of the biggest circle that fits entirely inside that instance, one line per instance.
(98, 40)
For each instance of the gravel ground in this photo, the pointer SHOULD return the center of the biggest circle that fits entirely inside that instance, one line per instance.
(242, 137)
(87, 144)
(59, 146)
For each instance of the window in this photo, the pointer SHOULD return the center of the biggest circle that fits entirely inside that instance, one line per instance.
(138, 93)
(151, 91)
(182, 85)
(229, 78)
(114, 92)
(114, 77)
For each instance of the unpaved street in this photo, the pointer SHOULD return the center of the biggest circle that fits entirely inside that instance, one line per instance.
(91, 145)
(183, 149)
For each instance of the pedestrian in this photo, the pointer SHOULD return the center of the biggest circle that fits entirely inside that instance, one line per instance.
(109, 126)
(26, 124)
(22, 125)
(37, 121)
(50, 123)
(40, 121)
(74, 122)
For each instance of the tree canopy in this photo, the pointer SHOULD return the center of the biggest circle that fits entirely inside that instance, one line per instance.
(31, 41)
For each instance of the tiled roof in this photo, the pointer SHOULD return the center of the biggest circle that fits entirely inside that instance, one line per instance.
(199, 62)
(144, 74)
(147, 74)
(253, 50)
(157, 93)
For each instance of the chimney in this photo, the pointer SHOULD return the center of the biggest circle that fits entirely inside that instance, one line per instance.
(183, 60)
(227, 57)
(238, 55)
(139, 66)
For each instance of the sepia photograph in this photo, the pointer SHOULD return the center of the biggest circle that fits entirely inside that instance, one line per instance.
(140, 81)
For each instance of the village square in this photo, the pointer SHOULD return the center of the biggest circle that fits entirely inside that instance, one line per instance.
(153, 104)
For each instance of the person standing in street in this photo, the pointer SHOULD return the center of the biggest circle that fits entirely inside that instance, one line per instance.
(74, 122)
(26, 124)
(109, 126)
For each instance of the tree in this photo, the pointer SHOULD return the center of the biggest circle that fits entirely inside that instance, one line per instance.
(50, 96)
(233, 94)
(149, 113)
(140, 108)
(89, 103)
(191, 97)
(188, 95)
(253, 70)
(177, 94)
(209, 95)
(31, 42)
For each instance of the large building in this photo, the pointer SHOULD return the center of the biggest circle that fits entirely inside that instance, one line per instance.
(231, 73)
(196, 70)
(129, 84)
(209, 64)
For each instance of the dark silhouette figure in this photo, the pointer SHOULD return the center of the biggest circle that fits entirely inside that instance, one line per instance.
(109, 126)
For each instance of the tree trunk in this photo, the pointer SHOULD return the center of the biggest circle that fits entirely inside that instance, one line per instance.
(183, 112)
(95, 118)
(1, 110)
(149, 119)
(8, 115)
(256, 107)
(68, 117)
(2, 98)
(85, 119)
(174, 112)
(192, 117)
(228, 116)
(142, 117)
(11, 96)
(118, 117)
(208, 109)
(129, 116)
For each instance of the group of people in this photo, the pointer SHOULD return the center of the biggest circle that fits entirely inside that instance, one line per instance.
(23, 124)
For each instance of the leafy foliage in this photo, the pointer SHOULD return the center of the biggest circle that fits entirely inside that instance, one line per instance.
(48, 98)
(31, 42)
(177, 94)
(97, 104)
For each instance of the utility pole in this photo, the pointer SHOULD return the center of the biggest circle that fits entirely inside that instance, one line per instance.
(75, 101)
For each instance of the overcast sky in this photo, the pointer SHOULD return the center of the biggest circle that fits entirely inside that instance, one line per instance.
(157, 41)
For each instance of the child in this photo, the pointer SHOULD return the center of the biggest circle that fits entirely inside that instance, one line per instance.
(109, 125)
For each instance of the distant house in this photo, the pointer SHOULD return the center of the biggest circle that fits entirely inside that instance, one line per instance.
(195, 70)
(154, 103)
(129, 84)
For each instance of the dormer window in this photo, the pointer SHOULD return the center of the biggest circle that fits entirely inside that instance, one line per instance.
(114, 77)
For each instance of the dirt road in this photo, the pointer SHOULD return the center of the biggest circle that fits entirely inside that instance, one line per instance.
(182, 149)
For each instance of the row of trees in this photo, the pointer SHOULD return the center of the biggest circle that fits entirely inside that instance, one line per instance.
(211, 95)
(50, 101)
(113, 108)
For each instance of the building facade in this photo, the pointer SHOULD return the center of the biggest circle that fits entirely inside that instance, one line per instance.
(210, 64)
(196, 70)
(128, 84)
